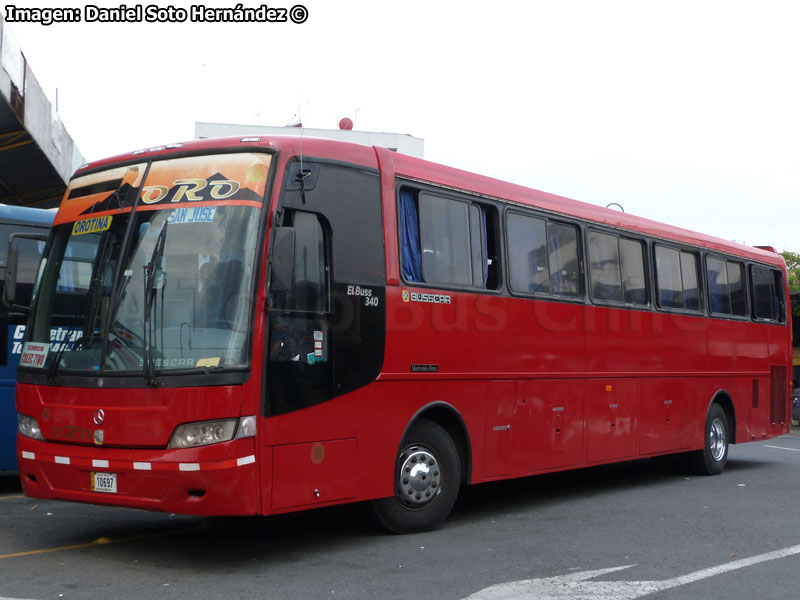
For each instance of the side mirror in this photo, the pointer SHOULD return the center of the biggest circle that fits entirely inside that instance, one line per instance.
(12, 269)
(282, 259)
(10, 288)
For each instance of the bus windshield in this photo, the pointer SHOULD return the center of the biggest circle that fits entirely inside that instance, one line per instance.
(163, 281)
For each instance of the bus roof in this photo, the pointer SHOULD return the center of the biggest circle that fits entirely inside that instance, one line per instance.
(408, 166)
(26, 214)
(425, 171)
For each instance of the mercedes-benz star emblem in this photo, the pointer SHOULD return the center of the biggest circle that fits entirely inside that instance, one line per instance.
(99, 416)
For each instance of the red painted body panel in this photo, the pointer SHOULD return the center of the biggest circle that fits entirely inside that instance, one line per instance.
(612, 420)
(539, 385)
(131, 418)
(313, 473)
(212, 480)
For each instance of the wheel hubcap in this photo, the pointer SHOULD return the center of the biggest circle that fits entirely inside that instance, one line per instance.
(419, 480)
(716, 440)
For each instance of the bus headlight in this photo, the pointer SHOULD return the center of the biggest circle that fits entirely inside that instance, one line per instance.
(28, 427)
(203, 433)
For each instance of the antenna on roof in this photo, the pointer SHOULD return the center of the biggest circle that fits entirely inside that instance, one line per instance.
(610, 204)
(301, 176)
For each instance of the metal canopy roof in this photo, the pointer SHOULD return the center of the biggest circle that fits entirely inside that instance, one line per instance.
(27, 176)
(37, 155)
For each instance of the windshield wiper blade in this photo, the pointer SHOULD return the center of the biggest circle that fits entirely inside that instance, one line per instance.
(151, 274)
(52, 370)
(96, 291)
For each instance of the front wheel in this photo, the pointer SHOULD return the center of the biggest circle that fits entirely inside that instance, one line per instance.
(426, 481)
(711, 460)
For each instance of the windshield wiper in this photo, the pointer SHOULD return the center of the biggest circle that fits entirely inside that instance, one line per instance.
(96, 290)
(152, 273)
(52, 370)
(120, 271)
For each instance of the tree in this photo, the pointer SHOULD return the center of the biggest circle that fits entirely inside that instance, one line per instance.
(793, 268)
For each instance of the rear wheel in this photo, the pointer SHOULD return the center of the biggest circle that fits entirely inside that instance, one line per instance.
(711, 460)
(427, 477)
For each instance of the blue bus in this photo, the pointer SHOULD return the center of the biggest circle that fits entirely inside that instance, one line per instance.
(20, 220)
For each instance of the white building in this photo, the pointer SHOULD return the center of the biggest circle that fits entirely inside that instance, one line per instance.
(397, 142)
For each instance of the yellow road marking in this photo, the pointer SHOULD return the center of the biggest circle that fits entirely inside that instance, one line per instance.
(11, 497)
(31, 552)
(98, 542)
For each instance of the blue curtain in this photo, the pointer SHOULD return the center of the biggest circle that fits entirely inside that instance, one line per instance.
(410, 258)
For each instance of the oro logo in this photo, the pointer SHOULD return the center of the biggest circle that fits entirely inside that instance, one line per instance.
(406, 296)
(188, 189)
(317, 453)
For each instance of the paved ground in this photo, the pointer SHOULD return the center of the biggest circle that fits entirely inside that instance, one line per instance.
(545, 533)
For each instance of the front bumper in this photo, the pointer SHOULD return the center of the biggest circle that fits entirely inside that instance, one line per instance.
(221, 479)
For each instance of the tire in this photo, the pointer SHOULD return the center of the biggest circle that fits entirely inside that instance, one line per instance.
(711, 460)
(427, 477)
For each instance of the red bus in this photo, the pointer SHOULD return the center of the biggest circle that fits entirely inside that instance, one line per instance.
(255, 326)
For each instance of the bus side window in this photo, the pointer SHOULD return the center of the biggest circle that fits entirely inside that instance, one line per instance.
(631, 254)
(348, 200)
(717, 275)
(676, 279)
(726, 287)
(690, 281)
(767, 294)
(447, 241)
(529, 267)
(616, 268)
(30, 252)
(562, 248)
(604, 271)
(491, 253)
(779, 301)
(543, 256)
(736, 288)
(310, 290)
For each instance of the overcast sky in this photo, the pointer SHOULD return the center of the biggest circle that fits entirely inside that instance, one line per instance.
(686, 112)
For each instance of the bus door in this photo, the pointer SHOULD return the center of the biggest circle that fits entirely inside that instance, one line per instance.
(326, 331)
(299, 361)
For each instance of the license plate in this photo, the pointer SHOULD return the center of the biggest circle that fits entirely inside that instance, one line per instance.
(104, 482)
